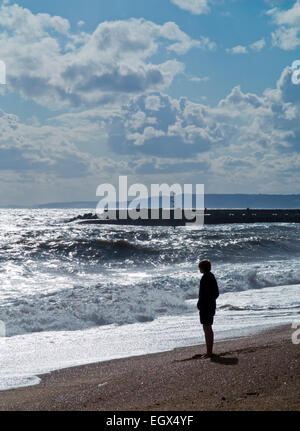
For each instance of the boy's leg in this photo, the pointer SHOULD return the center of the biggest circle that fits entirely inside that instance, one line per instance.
(209, 339)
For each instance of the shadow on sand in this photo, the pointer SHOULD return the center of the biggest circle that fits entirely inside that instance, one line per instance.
(220, 359)
(224, 361)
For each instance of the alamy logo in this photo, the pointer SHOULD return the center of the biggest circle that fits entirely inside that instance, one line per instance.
(296, 72)
(296, 334)
(162, 202)
(2, 73)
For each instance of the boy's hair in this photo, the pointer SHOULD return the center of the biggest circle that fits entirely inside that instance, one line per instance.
(205, 265)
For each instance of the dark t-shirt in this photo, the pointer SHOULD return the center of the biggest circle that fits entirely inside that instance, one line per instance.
(208, 293)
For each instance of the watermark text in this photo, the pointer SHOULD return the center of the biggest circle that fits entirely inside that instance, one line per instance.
(162, 201)
(296, 334)
(296, 72)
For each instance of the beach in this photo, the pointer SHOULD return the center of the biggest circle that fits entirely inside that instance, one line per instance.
(105, 318)
(258, 372)
(149, 171)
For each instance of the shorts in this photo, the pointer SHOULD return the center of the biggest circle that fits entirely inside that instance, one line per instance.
(206, 317)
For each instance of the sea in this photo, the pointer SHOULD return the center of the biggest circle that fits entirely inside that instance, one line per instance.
(73, 294)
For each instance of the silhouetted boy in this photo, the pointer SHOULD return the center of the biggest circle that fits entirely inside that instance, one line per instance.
(208, 293)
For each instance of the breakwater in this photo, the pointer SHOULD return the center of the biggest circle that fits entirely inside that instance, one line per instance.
(211, 216)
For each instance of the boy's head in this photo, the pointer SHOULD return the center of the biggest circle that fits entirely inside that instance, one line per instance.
(204, 266)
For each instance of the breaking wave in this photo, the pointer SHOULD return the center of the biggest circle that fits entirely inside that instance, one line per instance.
(58, 276)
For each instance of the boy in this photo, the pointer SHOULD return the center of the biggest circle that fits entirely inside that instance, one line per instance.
(208, 293)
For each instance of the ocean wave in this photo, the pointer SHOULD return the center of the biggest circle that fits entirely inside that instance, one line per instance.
(81, 248)
(82, 307)
(119, 301)
(166, 249)
(242, 277)
(231, 307)
(67, 277)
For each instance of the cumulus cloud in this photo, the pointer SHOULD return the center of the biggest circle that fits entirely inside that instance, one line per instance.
(247, 140)
(286, 36)
(287, 17)
(258, 45)
(240, 49)
(196, 7)
(49, 64)
(42, 163)
(39, 149)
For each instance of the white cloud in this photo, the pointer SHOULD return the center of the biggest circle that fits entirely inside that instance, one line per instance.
(287, 35)
(240, 49)
(259, 45)
(148, 133)
(38, 149)
(249, 140)
(184, 43)
(49, 64)
(28, 25)
(286, 38)
(244, 130)
(196, 7)
(199, 79)
(153, 103)
(287, 17)
(246, 141)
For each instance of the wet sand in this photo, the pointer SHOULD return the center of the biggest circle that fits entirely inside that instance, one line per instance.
(260, 372)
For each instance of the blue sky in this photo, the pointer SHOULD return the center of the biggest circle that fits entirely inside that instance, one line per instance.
(189, 91)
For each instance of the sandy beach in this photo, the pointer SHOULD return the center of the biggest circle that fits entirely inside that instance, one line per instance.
(260, 372)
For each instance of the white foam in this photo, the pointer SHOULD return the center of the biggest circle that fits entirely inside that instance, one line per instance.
(24, 357)
(139, 296)
(14, 382)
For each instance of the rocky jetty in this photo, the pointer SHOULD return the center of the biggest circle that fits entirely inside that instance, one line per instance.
(211, 216)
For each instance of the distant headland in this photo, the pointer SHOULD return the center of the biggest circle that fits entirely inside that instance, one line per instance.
(213, 201)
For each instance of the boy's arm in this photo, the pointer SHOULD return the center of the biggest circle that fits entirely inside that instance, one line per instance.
(216, 289)
(198, 303)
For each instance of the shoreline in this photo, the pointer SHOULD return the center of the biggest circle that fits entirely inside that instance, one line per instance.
(256, 372)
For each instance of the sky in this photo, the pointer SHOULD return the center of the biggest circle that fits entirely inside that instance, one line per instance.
(162, 91)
